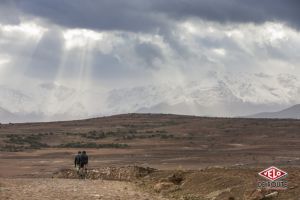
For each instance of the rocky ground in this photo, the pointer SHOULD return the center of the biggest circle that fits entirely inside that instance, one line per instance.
(138, 183)
(70, 189)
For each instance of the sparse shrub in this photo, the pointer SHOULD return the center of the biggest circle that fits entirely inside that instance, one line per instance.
(92, 145)
(95, 135)
(11, 148)
(149, 131)
(166, 136)
(21, 142)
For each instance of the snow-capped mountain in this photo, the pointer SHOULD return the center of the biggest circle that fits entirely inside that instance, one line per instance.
(212, 95)
(216, 96)
(44, 102)
(15, 101)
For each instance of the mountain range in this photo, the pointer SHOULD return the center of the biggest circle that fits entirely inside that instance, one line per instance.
(221, 95)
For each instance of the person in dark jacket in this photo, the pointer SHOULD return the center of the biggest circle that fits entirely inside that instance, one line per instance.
(77, 161)
(84, 160)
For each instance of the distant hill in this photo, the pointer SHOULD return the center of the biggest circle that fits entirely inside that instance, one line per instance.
(289, 113)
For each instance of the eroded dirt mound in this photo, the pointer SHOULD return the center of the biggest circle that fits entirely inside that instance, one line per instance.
(207, 184)
(126, 173)
(218, 184)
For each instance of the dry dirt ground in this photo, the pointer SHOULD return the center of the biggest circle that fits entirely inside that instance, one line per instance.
(31, 152)
(70, 189)
(160, 141)
(218, 184)
(137, 183)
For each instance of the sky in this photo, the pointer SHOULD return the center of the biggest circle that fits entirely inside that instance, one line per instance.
(109, 44)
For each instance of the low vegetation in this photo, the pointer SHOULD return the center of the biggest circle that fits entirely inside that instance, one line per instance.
(23, 142)
(92, 145)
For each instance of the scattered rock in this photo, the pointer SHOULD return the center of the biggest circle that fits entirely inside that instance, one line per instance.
(256, 195)
(108, 173)
(271, 195)
(162, 186)
(215, 194)
(176, 178)
(262, 194)
(293, 187)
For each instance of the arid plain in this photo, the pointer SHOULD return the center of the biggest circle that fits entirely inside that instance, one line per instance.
(218, 158)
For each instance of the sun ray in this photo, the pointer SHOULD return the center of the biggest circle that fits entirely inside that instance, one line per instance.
(82, 44)
(31, 34)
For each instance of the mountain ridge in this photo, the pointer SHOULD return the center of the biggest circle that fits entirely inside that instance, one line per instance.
(217, 95)
(292, 112)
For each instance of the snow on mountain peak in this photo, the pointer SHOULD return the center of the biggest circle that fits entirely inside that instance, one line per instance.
(217, 94)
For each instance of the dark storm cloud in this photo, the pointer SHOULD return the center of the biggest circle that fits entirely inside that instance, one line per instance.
(239, 11)
(8, 12)
(144, 15)
(154, 17)
(130, 15)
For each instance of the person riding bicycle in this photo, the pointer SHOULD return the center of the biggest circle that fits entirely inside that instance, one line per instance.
(77, 161)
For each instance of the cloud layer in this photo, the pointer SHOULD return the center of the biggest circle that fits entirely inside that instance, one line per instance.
(105, 45)
(143, 15)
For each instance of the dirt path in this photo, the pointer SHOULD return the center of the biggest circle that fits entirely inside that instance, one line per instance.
(65, 189)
